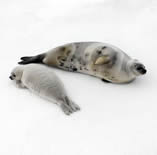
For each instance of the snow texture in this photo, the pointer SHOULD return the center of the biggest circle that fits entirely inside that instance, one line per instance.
(114, 119)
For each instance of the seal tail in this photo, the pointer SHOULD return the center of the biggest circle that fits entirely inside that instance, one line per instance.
(32, 59)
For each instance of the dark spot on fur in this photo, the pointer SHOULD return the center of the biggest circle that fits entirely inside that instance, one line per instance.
(61, 64)
(63, 59)
(71, 59)
(63, 48)
(68, 52)
(103, 47)
(80, 68)
(99, 52)
(86, 55)
(113, 60)
(74, 69)
(79, 59)
(84, 63)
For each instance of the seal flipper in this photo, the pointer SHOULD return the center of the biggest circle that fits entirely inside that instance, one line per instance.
(34, 59)
(26, 58)
(104, 80)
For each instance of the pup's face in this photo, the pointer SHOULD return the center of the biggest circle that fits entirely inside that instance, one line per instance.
(138, 68)
(16, 74)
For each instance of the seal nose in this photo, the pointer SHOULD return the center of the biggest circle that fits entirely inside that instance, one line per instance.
(11, 77)
(144, 71)
(141, 70)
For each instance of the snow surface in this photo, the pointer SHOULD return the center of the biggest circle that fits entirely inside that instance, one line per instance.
(114, 119)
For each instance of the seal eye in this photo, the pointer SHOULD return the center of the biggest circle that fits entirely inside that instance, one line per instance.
(139, 68)
(13, 75)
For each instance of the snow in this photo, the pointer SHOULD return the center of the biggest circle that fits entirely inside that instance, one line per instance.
(114, 119)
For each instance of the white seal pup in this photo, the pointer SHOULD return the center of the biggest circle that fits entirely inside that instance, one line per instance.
(102, 60)
(42, 81)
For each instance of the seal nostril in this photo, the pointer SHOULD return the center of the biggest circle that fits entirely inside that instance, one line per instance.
(144, 71)
(11, 77)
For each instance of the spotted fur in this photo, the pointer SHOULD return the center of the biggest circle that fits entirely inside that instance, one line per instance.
(102, 60)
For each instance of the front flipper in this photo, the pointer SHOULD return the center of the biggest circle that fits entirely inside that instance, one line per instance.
(19, 84)
(104, 80)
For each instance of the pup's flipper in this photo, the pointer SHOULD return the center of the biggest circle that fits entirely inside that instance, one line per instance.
(71, 104)
(67, 106)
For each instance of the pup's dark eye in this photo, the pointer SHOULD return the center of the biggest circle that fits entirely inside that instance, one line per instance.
(13, 75)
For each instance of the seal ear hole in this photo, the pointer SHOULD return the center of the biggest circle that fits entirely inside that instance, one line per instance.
(102, 60)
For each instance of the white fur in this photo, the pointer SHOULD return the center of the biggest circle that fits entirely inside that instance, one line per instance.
(43, 81)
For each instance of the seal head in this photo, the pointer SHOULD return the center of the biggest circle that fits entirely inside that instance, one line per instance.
(137, 68)
(16, 73)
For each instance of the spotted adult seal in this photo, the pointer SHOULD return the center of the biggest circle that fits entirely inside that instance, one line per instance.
(41, 80)
(102, 60)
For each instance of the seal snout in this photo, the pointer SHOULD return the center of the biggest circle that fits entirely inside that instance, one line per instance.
(10, 77)
(141, 70)
(144, 71)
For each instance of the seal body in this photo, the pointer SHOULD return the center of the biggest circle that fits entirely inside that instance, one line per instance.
(43, 81)
(102, 60)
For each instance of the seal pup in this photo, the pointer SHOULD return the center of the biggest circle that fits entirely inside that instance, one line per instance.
(101, 60)
(43, 81)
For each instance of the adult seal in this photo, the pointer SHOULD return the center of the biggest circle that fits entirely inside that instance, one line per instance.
(101, 60)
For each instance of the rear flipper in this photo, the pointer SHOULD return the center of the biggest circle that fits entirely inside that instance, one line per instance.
(68, 106)
(26, 58)
(32, 59)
